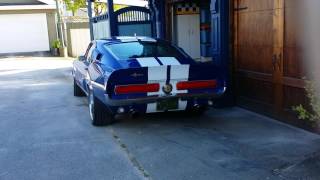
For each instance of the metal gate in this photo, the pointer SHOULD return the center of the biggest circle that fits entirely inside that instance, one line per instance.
(132, 21)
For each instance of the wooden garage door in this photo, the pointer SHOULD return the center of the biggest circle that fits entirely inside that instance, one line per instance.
(268, 68)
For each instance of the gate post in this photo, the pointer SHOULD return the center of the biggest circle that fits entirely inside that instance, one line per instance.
(90, 19)
(220, 31)
(112, 20)
(220, 10)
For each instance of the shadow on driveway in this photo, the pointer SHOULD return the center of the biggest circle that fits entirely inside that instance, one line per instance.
(223, 144)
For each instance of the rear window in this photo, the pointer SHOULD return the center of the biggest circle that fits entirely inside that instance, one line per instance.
(130, 50)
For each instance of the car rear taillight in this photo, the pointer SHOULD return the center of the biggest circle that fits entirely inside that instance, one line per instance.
(186, 85)
(137, 88)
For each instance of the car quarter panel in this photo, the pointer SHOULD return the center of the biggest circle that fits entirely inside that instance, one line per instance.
(79, 74)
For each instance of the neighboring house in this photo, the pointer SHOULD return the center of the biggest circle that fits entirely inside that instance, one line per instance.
(77, 25)
(118, 4)
(27, 25)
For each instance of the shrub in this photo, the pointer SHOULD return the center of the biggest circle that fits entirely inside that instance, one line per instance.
(312, 115)
(56, 44)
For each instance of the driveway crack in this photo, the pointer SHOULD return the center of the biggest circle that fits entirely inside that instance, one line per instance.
(132, 159)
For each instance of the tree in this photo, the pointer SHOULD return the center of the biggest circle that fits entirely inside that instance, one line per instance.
(74, 5)
(100, 8)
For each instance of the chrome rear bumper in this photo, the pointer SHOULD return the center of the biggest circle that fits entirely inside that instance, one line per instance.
(147, 100)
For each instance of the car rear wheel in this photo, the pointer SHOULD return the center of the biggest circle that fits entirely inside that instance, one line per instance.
(99, 113)
(77, 91)
(197, 112)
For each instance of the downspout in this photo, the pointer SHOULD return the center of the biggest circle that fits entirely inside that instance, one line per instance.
(158, 23)
(153, 18)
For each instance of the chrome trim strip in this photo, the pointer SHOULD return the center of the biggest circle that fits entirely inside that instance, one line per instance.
(98, 85)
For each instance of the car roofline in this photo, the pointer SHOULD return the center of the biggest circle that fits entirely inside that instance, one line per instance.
(124, 39)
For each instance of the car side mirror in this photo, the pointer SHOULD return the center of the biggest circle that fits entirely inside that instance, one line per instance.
(82, 58)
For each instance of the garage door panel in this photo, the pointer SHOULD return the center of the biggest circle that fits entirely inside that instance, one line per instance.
(23, 33)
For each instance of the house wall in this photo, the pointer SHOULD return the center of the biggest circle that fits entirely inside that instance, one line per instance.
(52, 28)
(51, 20)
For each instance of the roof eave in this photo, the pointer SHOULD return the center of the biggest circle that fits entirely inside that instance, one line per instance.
(28, 7)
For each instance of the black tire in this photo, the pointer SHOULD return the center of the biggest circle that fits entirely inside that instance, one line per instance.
(197, 112)
(99, 113)
(77, 91)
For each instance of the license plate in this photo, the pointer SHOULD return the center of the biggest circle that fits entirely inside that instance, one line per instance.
(170, 104)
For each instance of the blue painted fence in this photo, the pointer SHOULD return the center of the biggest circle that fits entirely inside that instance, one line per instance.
(133, 21)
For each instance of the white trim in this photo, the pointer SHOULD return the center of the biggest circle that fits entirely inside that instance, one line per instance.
(52, 2)
(27, 7)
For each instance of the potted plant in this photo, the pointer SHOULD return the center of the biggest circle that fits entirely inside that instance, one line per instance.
(56, 45)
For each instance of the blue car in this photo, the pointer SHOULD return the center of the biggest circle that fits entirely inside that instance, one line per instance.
(137, 75)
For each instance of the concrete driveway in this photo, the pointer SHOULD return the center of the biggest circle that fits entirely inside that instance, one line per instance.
(45, 133)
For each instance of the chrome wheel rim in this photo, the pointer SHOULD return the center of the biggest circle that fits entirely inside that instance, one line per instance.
(91, 105)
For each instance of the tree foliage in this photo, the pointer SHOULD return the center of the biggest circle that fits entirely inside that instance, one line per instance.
(99, 8)
(74, 5)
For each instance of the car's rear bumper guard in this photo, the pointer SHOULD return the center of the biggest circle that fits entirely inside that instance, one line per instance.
(146, 100)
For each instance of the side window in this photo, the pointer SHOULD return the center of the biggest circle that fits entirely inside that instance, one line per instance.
(96, 56)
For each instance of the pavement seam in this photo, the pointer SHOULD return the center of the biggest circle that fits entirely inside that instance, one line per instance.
(287, 167)
(130, 156)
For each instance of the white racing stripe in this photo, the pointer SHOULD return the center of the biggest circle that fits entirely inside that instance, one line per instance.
(169, 61)
(157, 75)
(152, 108)
(148, 62)
(178, 73)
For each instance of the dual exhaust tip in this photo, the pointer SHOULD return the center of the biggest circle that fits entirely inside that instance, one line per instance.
(134, 114)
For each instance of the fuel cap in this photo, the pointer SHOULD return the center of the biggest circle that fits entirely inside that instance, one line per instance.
(167, 88)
